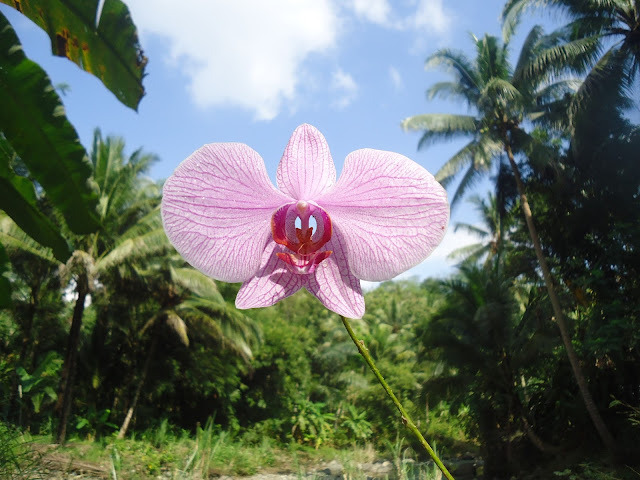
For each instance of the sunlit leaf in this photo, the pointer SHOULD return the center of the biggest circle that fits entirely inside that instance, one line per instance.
(179, 327)
(18, 200)
(102, 42)
(13, 237)
(151, 243)
(197, 282)
(33, 122)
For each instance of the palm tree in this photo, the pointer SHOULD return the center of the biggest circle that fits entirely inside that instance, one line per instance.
(505, 99)
(388, 330)
(485, 342)
(493, 233)
(595, 25)
(130, 227)
(188, 300)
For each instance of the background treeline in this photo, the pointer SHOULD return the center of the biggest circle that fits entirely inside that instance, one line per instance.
(118, 334)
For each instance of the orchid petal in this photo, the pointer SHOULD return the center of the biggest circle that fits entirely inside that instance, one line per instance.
(333, 283)
(273, 281)
(217, 208)
(306, 169)
(391, 212)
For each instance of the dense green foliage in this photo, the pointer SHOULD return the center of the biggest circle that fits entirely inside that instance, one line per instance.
(39, 148)
(125, 339)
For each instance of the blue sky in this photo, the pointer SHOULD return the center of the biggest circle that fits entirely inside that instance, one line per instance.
(250, 71)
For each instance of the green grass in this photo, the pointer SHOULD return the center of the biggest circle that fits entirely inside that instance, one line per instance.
(17, 459)
(211, 452)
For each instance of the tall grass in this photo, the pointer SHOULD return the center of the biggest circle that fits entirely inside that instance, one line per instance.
(17, 459)
(208, 442)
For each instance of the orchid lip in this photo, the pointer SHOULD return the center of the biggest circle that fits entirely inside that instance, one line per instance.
(303, 264)
(303, 227)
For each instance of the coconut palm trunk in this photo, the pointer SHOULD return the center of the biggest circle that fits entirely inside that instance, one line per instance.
(590, 405)
(71, 358)
(536, 440)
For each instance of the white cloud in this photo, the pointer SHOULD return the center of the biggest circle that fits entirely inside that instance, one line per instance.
(427, 16)
(345, 88)
(431, 16)
(375, 11)
(396, 79)
(245, 53)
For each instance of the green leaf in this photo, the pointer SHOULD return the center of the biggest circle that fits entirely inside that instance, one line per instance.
(151, 243)
(104, 43)
(179, 327)
(18, 200)
(37, 401)
(197, 282)
(32, 120)
(460, 65)
(440, 126)
(12, 237)
(499, 90)
(32, 221)
(82, 422)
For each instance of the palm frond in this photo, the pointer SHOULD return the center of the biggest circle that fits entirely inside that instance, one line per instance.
(455, 90)
(501, 90)
(149, 222)
(458, 63)
(528, 50)
(154, 242)
(13, 238)
(469, 179)
(141, 162)
(469, 253)
(106, 156)
(196, 282)
(557, 90)
(223, 323)
(440, 122)
(440, 126)
(178, 326)
(574, 57)
(463, 157)
(118, 178)
(608, 77)
(512, 13)
(491, 59)
(471, 229)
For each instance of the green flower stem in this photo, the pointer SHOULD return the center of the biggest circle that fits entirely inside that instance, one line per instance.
(406, 419)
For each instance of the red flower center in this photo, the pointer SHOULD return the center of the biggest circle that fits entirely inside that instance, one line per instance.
(303, 228)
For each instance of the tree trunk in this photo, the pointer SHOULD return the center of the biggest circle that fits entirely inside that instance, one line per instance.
(604, 433)
(536, 440)
(136, 397)
(69, 368)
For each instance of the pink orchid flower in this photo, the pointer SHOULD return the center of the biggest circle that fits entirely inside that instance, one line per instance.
(383, 216)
